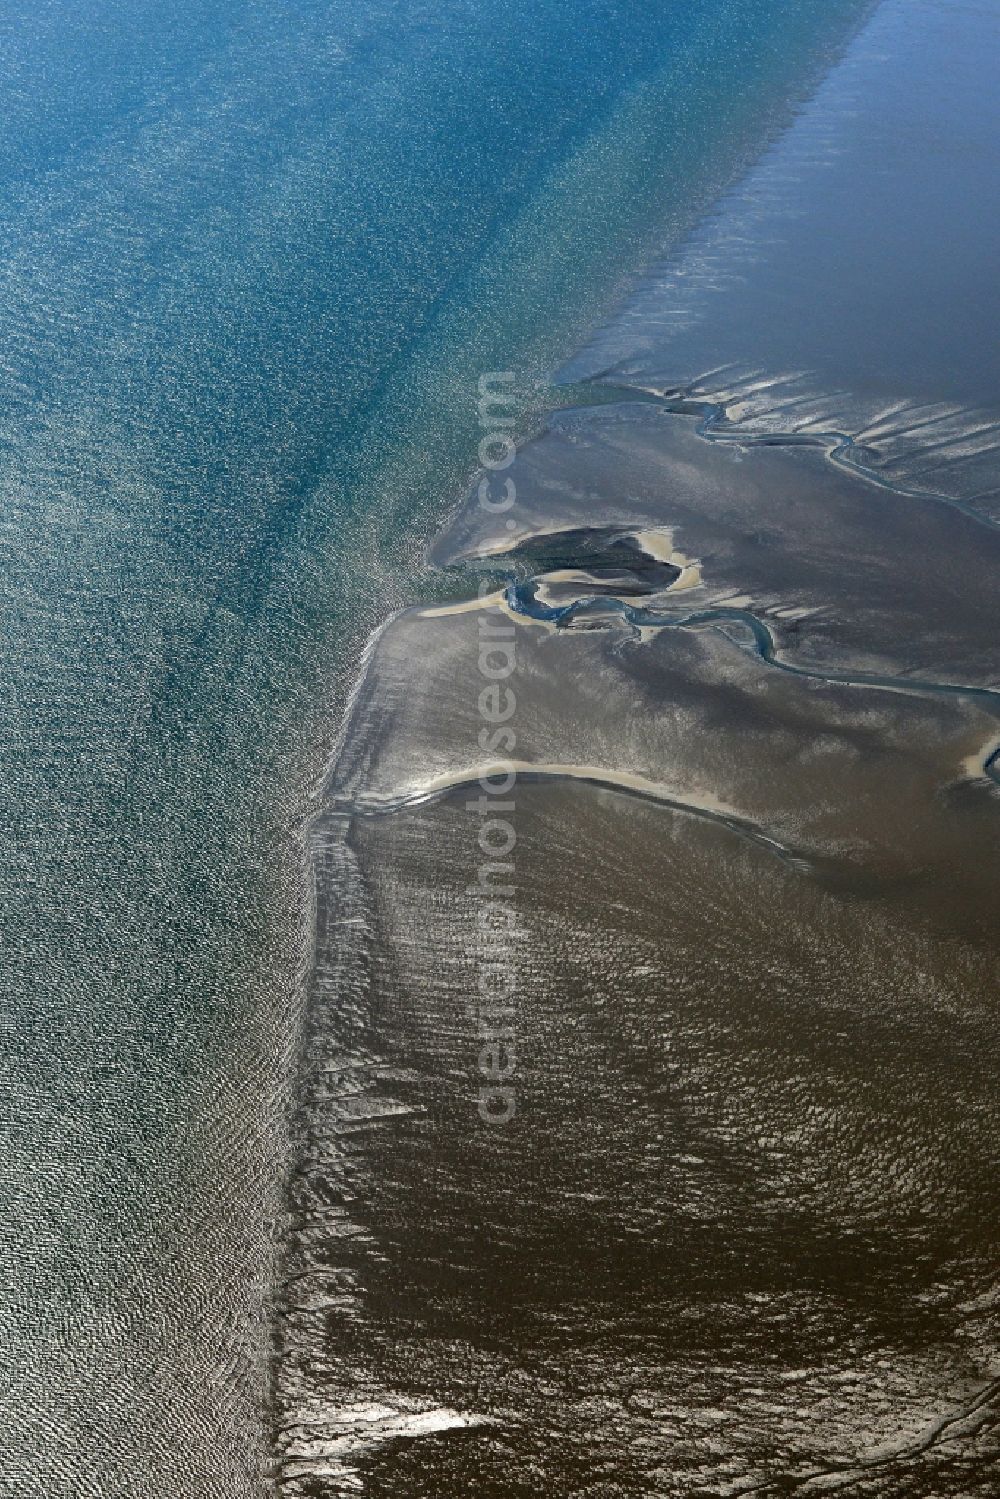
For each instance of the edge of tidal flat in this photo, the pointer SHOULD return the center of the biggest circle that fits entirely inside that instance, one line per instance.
(319, 1451)
(325, 1451)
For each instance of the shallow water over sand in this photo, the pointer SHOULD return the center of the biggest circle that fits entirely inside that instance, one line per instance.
(739, 1233)
(254, 259)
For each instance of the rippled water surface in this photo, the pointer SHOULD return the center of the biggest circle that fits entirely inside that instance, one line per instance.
(252, 260)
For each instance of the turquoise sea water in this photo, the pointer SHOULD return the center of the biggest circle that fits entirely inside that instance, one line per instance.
(252, 261)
